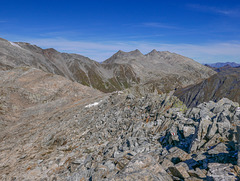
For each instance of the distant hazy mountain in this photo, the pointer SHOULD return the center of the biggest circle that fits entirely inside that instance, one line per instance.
(222, 64)
(226, 83)
(163, 71)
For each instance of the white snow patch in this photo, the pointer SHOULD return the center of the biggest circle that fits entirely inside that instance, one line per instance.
(119, 92)
(14, 44)
(93, 104)
(238, 109)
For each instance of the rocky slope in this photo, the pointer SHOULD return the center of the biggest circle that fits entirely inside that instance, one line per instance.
(226, 83)
(32, 105)
(55, 129)
(163, 71)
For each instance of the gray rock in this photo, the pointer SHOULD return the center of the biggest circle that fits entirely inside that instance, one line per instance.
(196, 173)
(212, 129)
(188, 130)
(142, 167)
(223, 123)
(220, 148)
(176, 152)
(179, 171)
(110, 165)
(221, 172)
(201, 131)
(166, 163)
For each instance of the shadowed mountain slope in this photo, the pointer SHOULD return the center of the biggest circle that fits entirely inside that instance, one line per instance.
(226, 83)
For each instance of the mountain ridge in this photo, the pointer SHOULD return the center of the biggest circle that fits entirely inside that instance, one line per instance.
(122, 70)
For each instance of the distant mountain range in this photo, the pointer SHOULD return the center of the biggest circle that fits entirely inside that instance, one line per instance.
(222, 64)
(161, 71)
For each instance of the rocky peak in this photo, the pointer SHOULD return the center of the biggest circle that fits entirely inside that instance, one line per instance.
(135, 53)
(121, 53)
(153, 52)
(123, 57)
(52, 50)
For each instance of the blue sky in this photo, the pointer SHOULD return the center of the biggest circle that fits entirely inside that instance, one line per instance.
(205, 30)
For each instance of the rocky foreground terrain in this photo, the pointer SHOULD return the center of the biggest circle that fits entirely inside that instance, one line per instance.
(55, 129)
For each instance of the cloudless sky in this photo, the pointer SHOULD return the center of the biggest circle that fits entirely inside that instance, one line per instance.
(205, 30)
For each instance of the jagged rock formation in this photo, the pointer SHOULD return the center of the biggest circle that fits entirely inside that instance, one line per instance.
(163, 71)
(226, 83)
(62, 132)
